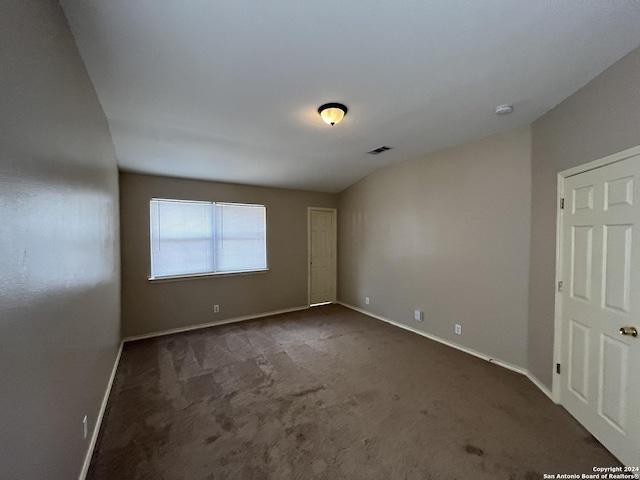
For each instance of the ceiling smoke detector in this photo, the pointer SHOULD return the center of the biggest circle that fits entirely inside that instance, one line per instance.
(505, 109)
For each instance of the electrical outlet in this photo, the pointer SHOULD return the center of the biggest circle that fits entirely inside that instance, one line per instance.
(458, 329)
(85, 429)
(418, 316)
(366, 300)
(216, 309)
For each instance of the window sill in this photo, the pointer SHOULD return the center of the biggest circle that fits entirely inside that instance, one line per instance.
(194, 276)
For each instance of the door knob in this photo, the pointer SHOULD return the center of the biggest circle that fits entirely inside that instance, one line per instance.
(629, 331)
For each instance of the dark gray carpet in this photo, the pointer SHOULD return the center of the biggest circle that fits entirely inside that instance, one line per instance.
(328, 394)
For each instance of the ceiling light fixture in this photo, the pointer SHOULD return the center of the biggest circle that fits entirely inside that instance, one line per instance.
(505, 109)
(332, 113)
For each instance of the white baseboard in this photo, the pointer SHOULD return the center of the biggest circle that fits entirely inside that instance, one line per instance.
(507, 365)
(103, 407)
(212, 324)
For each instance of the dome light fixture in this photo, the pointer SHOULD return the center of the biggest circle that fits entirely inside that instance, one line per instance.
(332, 113)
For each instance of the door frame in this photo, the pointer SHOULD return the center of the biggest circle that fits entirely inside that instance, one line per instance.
(557, 335)
(334, 251)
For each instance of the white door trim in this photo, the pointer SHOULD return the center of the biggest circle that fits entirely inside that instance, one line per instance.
(334, 251)
(557, 337)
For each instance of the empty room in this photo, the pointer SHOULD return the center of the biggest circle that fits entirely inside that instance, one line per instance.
(319, 240)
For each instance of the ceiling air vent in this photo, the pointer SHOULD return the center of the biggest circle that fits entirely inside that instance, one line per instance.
(378, 150)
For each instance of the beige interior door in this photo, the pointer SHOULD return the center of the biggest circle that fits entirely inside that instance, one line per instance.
(600, 376)
(322, 246)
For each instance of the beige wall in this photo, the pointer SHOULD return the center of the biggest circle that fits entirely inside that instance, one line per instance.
(447, 234)
(59, 258)
(161, 305)
(600, 119)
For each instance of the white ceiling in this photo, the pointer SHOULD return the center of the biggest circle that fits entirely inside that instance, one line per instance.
(229, 89)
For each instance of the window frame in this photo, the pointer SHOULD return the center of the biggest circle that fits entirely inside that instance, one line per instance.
(191, 276)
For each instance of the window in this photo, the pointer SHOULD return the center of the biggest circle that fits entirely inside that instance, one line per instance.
(199, 238)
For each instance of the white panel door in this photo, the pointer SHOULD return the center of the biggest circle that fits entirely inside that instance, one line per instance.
(321, 258)
(600, 376)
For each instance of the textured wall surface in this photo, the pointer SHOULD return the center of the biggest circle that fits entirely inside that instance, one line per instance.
(449, 235)
(160, 305)
(59, 257)
(600, 119)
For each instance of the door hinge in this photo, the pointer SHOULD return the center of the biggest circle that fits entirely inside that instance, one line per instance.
(558, 368)
(560, 286)
(562, 204)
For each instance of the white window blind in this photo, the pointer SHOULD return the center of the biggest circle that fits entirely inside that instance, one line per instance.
(192, 238)
(240, 237)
